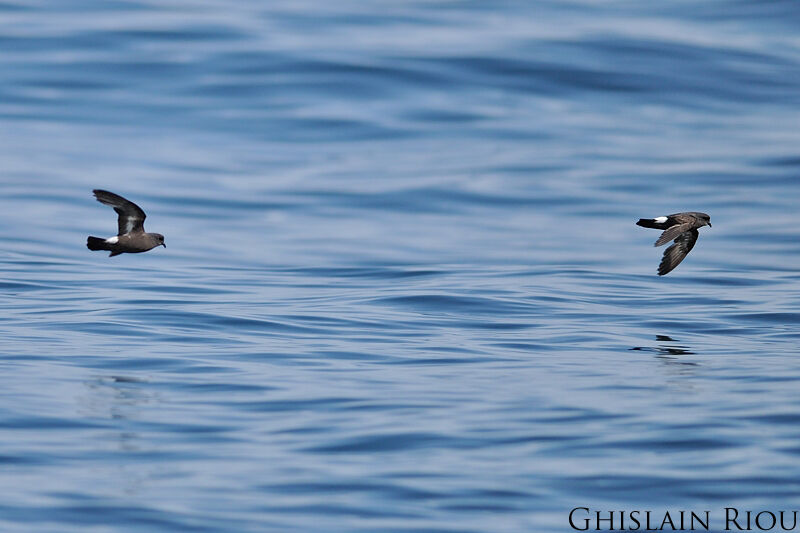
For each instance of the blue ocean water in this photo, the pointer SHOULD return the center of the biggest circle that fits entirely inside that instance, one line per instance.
(403, 289)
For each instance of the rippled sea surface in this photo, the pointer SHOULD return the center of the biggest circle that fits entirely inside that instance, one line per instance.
(403, 289)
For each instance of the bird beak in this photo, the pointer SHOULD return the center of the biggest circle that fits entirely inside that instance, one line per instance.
(709, 224)
(164, 244)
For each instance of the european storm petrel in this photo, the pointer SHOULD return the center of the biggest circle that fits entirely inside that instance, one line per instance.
(680, 227)
(131, 237)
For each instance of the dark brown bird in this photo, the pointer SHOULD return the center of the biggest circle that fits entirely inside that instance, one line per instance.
(131, 237)
(680, 228)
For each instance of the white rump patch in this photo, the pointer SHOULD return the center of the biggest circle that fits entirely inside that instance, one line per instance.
(660, 220)
(112, 240)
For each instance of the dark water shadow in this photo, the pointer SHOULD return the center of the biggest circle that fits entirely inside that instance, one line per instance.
(668, 352)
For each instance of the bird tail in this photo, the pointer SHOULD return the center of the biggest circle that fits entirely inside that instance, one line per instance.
(96, 243)
(651, 223)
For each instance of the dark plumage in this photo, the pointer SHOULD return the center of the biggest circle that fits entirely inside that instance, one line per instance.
(131, 237)
(680, 228)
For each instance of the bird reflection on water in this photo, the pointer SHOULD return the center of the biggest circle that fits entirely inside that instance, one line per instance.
(668, 351)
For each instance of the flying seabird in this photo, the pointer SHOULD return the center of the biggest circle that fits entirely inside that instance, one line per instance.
(131, 237)
(680, 228)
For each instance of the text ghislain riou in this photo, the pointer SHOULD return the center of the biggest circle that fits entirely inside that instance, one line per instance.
(731, 518)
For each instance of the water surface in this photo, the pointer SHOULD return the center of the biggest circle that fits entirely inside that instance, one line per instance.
(403, 288)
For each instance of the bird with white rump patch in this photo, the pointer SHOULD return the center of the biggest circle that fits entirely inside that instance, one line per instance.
(680, 227)
(131, 237)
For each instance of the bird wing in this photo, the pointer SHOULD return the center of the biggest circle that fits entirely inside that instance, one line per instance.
(672, 233)
(675, 253)
(131, 217)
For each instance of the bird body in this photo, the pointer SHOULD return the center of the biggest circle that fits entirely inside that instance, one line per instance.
(131, 237)
(680, 228)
